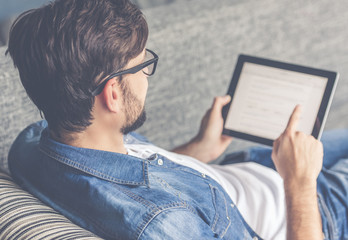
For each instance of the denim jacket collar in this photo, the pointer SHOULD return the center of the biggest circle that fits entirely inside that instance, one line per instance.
(127, 170)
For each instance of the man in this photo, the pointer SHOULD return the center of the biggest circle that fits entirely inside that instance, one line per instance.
(85, 66)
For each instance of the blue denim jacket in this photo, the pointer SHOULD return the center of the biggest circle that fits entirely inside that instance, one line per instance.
(118, 196)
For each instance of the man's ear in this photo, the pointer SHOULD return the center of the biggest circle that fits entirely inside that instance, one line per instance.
(111, 95)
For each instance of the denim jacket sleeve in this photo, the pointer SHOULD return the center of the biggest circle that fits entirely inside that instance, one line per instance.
(166, 224)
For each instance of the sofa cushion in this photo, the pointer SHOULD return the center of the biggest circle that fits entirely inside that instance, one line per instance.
(22, 216)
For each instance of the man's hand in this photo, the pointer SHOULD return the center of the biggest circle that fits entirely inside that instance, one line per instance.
(298, 159)
(209, 143)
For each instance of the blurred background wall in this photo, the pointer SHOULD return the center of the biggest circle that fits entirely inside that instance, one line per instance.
(10, 9)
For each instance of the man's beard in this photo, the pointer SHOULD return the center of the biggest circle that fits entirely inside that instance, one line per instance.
(130, 127)
(135, 114)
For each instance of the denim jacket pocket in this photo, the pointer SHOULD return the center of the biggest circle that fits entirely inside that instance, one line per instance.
(221, 221)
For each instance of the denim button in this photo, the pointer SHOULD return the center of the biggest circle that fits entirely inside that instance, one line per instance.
(228, 218)
(203, 175)
(232, 205)
(160, 162)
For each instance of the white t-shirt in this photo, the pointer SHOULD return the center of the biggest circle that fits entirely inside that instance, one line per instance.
(256, 190)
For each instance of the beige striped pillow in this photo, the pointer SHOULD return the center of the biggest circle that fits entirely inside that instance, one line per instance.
(22, 216)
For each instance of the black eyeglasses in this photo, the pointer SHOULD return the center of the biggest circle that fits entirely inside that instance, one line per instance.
(148, 67)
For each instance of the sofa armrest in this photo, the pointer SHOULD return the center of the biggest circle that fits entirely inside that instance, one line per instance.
(22, 216)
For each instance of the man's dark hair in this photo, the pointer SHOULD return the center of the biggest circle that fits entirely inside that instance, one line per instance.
(64, 49)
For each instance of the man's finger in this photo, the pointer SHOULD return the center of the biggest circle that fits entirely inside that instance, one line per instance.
(294, 119)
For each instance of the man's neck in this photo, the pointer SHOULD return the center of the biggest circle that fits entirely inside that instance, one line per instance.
(93, 139)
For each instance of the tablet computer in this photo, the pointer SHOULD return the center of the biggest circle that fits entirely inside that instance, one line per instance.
(265, 92)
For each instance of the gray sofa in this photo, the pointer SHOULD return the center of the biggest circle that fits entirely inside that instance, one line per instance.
(198, 42)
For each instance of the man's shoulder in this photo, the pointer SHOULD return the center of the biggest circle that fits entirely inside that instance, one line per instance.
(31, 133)
(26, 142)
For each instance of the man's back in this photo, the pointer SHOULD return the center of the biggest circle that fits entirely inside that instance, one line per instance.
(123, 197)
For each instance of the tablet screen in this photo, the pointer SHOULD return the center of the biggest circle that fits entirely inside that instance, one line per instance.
(265, 96)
